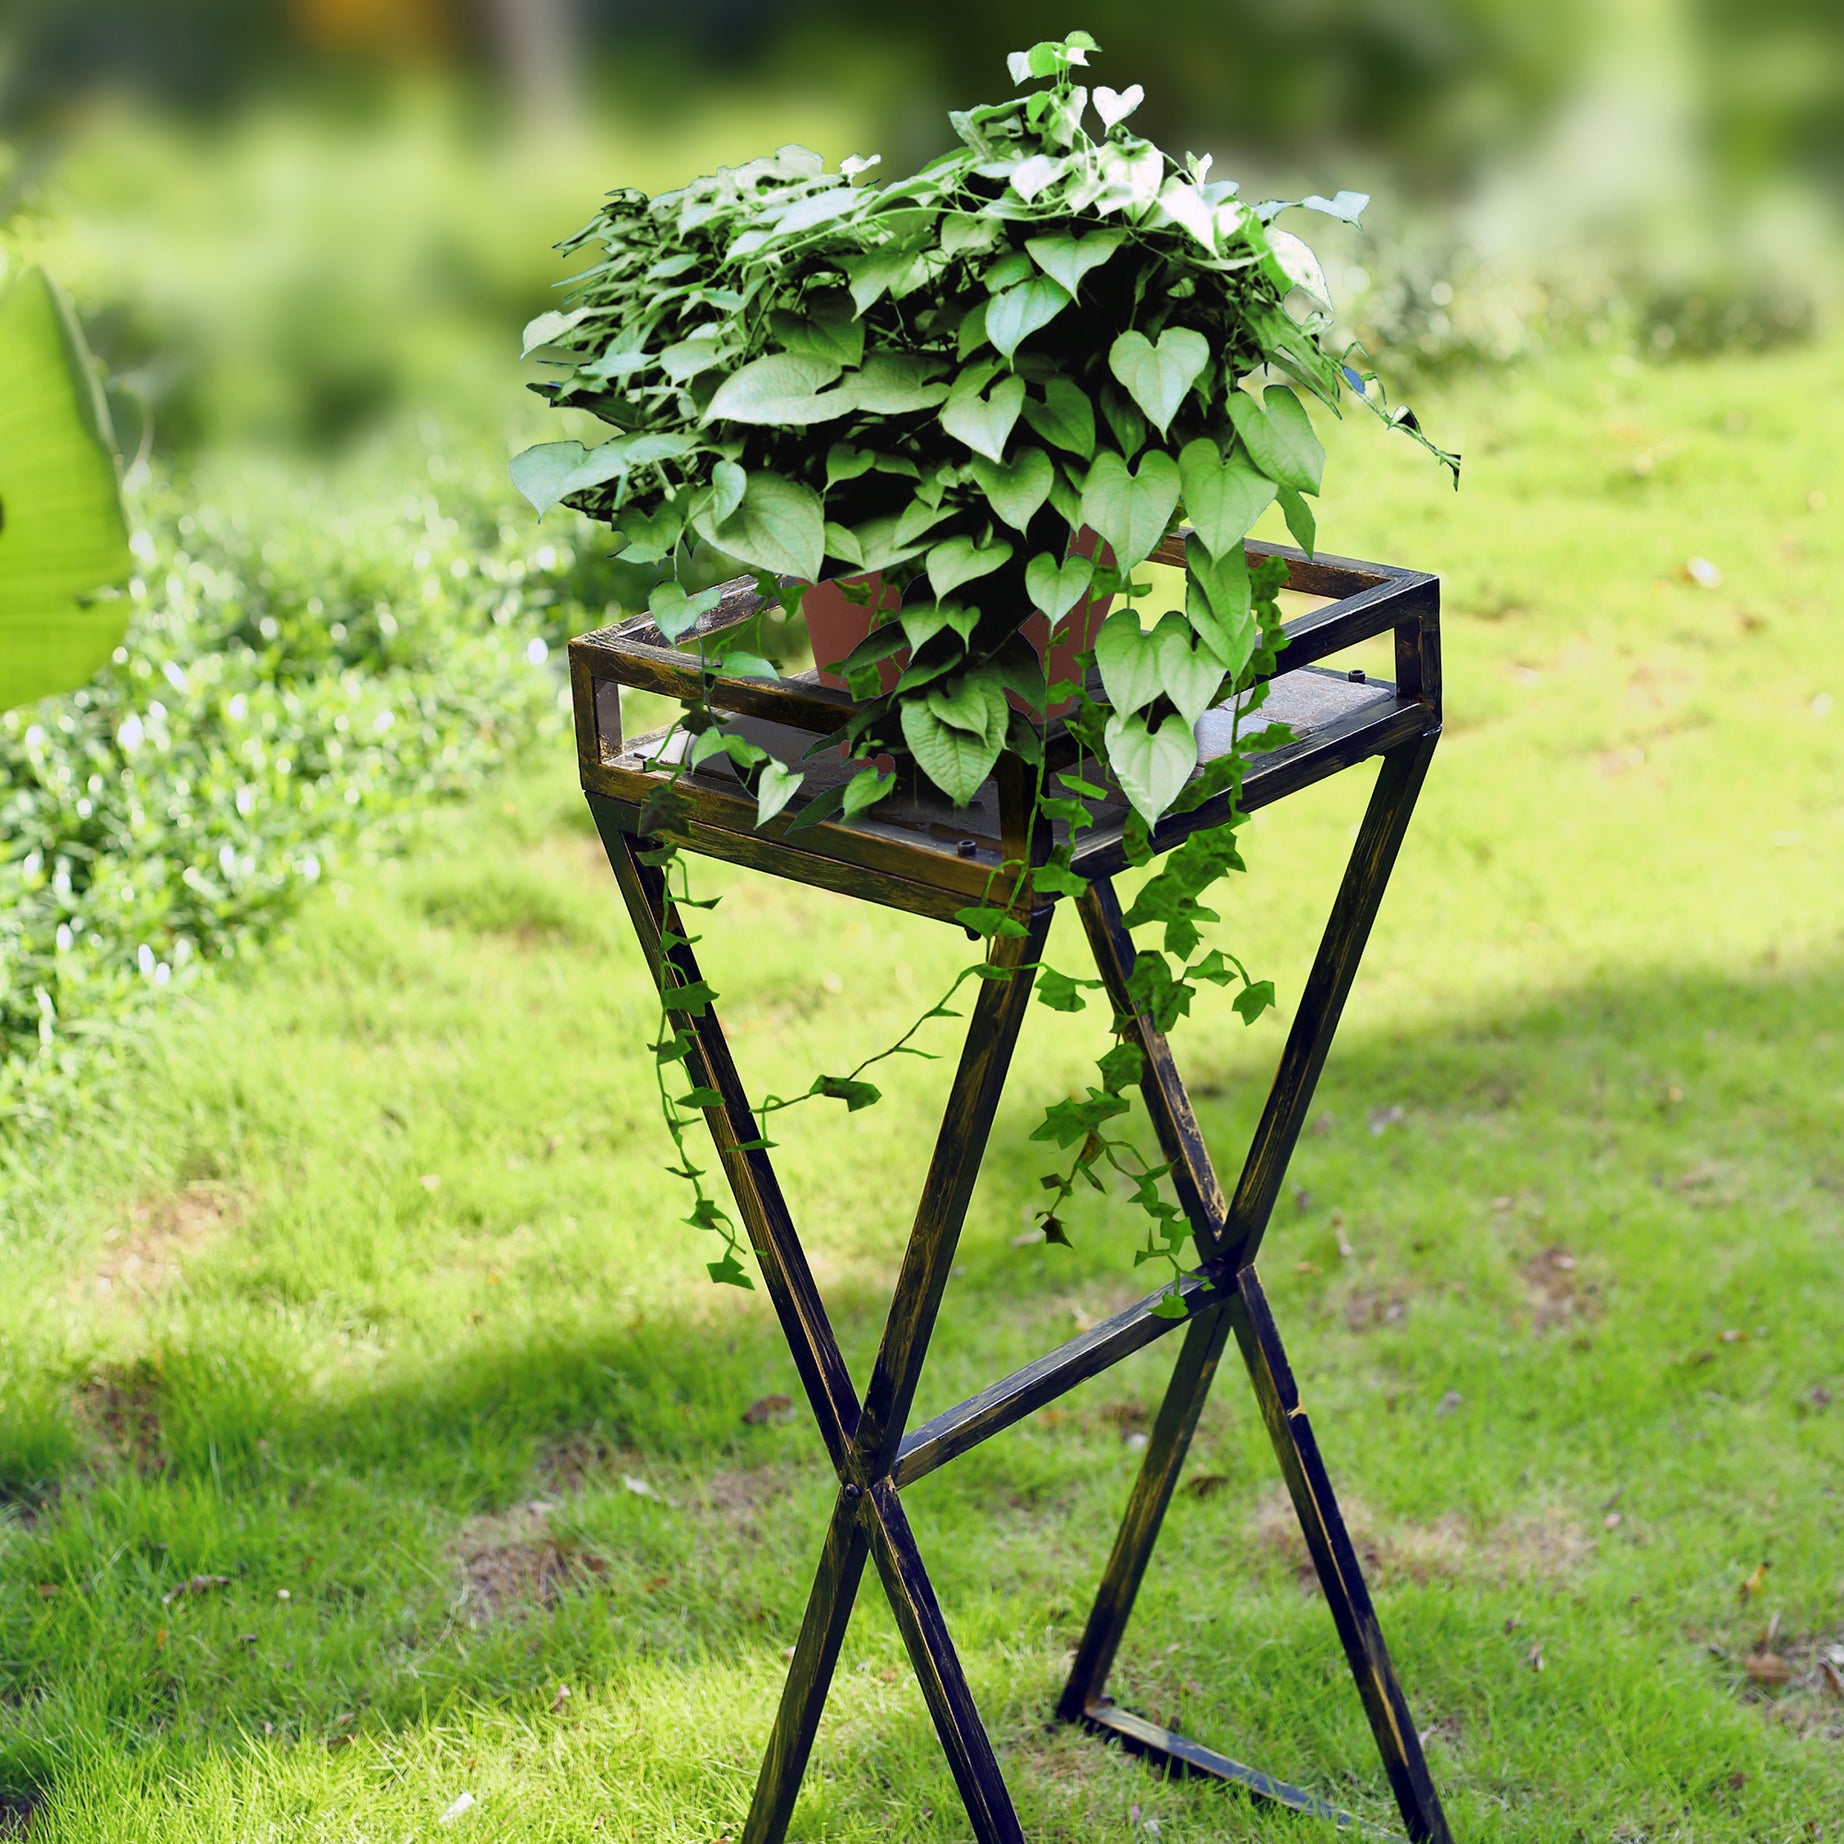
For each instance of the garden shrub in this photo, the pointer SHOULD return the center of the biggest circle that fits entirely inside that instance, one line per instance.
(289, 689)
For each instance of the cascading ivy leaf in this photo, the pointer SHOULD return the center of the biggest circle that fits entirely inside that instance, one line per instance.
(1065, 417)
(1157, 375)
(777, 526)
(1279, 438)
(1223, 495)
(1055, 588)
(1131, 508)
(1016, 490)
(1067, 259)
(1012, 317)
(956, 760)
(1151, 765)
(783, 388)
(983, 422)
(959, 560)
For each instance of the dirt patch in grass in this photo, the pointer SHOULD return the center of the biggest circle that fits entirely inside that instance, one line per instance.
(1538, 1546)
(511, 1562)
(1366, 1308)
(119, 1405)
(565, 1466)
(733, 1496)
(16, 1811)
(1557, 1291)
(146, 1254)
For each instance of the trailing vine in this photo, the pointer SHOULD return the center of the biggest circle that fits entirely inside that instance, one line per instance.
(943, 380)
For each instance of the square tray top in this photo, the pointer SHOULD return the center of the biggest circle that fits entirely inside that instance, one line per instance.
(917, 851)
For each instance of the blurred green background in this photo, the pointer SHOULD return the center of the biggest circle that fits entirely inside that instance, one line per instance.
(290, 224)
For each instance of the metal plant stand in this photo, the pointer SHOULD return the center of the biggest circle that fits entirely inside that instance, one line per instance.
(920, 855)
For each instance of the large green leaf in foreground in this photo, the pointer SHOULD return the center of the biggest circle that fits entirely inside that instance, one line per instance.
(63, 534)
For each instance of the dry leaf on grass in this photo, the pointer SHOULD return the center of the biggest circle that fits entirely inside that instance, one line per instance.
(1767, 1668)
(1755, 1582)
(1207, 1485)
(767, 1409)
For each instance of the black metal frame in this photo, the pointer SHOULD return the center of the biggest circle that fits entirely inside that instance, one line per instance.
(872, 1448)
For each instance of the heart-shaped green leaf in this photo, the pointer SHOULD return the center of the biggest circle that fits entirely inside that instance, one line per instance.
(1130, 510)
(1013, 316)
(1152, 766)
(1223, 498)
(921, 622)
(651, 536)
(844, 462)
(1015, 491)
(63, 535)
(1129, 661)
(1116, 105)
(1189, 675)
(959, 560)
(777, 526)
(866, 789)
(956, 761)
(776, 788)
(1158, 376)
(1068, 259)
(1279, 438)
(1056, 588)
(554, 470)
(983, 422)
(1217, 600)
(782, 388)
(973, 701)
(874, 545)
(674, 612)
(894, 384)
(549, 327)
(1065, 418)
(543, 473)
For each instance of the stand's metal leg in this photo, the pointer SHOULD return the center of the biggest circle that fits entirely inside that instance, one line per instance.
(1227, 1239)
(992, 1034)
(1152, 1492)
(937, 1667)
(1322, 1004)
(862, 1440)
(1339, 1574)
(986, 1057)
(759, 1202)
(816, 1656)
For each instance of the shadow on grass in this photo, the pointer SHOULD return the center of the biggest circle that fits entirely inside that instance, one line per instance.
(340, 1515)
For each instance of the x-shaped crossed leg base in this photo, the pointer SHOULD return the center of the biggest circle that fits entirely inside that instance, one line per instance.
(876, 1458)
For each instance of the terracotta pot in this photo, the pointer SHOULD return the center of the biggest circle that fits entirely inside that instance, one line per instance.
(836, 625)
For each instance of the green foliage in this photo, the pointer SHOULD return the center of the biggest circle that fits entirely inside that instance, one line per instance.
(63, 538)
(972, 424)
(923, 325)
(282, 695)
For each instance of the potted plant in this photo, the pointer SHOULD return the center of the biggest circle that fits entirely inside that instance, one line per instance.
(932, 388)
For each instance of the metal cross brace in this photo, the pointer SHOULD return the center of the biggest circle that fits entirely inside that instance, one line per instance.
(876, 1454)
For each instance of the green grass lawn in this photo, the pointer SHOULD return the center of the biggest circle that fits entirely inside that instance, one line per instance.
(366, 1293)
